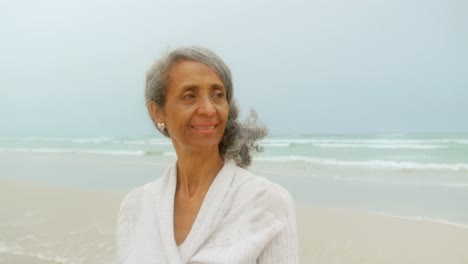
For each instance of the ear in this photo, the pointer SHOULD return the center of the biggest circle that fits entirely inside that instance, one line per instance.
(157, 113)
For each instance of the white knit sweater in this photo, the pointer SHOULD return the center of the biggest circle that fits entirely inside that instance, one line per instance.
(243, 219)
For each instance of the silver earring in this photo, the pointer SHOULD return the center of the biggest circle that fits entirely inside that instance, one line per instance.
(161, 126)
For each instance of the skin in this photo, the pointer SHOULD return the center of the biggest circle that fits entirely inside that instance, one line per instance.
(195, 114)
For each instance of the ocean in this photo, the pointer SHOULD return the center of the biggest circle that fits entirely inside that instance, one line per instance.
(412, 175)
(423, 177)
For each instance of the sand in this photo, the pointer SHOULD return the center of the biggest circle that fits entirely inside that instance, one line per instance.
(56, 225)
(41, 224)
(344, 236)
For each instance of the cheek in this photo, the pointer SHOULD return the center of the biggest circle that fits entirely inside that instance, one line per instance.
(177, 114)
(225, 109)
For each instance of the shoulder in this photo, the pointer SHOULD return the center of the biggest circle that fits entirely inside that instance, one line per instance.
(257, 191)
(130, 207)
(262, 187)
(134, 199)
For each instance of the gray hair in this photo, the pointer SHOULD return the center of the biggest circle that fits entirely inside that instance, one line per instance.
(240, 139)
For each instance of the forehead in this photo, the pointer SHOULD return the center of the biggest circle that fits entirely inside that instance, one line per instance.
(187, 71)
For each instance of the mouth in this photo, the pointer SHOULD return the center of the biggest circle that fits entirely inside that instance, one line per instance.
(204, 127)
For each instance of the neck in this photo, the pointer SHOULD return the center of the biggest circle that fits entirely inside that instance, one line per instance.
(196, 171)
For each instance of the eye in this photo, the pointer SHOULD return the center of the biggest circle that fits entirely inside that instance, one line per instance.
(218, 94)
(188, 96)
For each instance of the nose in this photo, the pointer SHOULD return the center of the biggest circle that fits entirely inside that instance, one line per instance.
(206, 106)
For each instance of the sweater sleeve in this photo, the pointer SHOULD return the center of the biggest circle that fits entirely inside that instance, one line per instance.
(126, 224)
(283, 248)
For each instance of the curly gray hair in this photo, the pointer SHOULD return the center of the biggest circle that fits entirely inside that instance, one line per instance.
(240, 139)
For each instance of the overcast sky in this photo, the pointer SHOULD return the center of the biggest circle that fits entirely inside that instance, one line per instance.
(76, 68)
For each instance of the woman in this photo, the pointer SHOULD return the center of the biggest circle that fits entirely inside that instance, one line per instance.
(206, 208)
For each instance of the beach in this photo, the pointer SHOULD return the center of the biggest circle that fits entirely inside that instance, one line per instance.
(344, 236)
(55, 225)
(42, 224)
(59, 198)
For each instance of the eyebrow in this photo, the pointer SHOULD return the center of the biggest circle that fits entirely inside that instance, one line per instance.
(190, 87)
(194, 87)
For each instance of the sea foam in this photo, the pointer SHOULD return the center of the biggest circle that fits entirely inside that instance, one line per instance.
(425, 219)
(373, 164)
(401, 182)
(78, 151)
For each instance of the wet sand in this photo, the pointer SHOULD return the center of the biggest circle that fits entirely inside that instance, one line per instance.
(56, 225)
(344, 236)
(41, 224)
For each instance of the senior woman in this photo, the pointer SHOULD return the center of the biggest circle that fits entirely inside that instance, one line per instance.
(206, 207)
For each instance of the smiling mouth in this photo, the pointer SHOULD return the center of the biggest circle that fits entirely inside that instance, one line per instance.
(204, 127)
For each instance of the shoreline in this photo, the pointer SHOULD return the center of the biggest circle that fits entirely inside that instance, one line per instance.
(22, 258)
(422, 219)
(71, 225)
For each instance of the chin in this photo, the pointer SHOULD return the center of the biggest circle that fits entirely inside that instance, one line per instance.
(205, 144)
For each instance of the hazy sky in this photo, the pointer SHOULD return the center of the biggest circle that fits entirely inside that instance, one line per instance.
(76, 68)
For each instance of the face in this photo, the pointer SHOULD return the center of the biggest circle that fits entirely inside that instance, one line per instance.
(196, 108)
